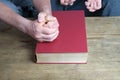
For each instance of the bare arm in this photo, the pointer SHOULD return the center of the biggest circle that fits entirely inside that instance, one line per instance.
(43, 6)
(12, 18)
(33, 28)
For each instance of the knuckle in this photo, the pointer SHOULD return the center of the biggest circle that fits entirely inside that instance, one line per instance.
(49, 37)
(48, 32)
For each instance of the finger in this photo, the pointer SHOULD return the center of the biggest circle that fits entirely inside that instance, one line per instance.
(95, 5)
(87, 4)
(53, 36)
(41, 17)
(99, 4)
(49, 31)
(50, 18)
(44, 33)
(52, 24)
(48, 38)
(92, 10)
(90, 6)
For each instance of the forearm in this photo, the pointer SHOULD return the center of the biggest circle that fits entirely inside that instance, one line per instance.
(43, 5)
(12, 18)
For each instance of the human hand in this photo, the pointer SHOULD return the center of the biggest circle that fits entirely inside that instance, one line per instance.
(67, 2)
(93, 5)
(45, 28)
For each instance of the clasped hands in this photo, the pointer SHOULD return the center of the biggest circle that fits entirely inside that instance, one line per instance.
(91, 5)
(45, 28)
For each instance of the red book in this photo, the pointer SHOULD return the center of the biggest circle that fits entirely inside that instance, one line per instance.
(71, 44)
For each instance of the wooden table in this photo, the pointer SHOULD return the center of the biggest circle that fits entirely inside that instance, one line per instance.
(103, 36)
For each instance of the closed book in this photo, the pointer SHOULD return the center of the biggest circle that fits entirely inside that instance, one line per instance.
(70, 46)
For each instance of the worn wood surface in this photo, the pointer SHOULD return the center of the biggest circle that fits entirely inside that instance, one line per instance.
(103, 36)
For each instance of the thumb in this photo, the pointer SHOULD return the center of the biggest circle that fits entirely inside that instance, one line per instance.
(41, 17)
(50, 18)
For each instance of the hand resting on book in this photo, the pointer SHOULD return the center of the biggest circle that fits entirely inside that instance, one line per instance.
(46, 28)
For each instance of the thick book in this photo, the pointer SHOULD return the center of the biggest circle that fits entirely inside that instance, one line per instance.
(71, 44)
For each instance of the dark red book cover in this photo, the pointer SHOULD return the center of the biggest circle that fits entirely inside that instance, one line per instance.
(71, 39)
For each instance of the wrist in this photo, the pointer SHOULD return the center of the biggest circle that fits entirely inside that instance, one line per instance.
(23, 24)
